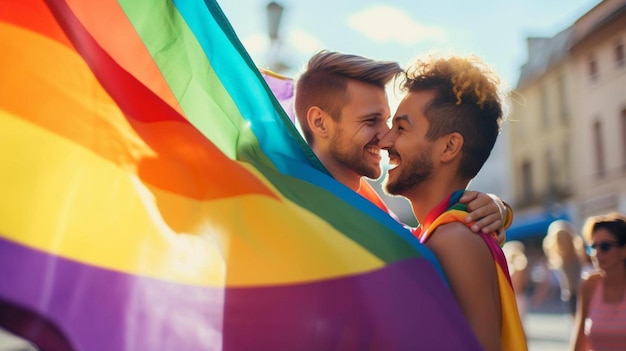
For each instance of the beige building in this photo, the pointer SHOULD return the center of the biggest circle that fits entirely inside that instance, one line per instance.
(568, 123)
(598, 57)
(540, 122)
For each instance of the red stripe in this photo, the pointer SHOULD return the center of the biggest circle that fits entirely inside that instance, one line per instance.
(133, 98)
(186, 163)
(35, 16)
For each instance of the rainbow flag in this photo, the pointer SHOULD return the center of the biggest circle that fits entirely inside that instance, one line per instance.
(451, 210)
(155, 196)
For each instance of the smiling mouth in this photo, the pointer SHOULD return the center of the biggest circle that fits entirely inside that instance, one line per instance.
(394, 160)
(373, 151)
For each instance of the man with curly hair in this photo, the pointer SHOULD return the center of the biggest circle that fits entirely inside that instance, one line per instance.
(442, 134)
(342, 109)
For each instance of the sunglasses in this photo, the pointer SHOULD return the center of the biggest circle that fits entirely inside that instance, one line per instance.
(603, 246)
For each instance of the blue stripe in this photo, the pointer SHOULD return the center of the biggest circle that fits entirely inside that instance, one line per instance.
(311, 175)
(277, 136)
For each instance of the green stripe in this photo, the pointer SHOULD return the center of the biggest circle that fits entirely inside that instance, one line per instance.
(201, 94)
(187, 71)
(373, 235)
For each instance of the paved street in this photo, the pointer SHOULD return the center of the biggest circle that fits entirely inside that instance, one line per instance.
(548, 327)
(548, 332)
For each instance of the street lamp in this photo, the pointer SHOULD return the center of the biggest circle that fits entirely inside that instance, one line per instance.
(274, 15)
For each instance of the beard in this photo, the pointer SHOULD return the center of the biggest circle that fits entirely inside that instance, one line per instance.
(352, 158)
(411, 175)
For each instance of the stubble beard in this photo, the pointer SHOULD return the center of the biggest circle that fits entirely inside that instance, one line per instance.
(352, 158)
(410, 176)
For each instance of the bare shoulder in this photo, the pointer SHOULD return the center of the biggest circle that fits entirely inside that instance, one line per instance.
(454, 233)
(456, 238)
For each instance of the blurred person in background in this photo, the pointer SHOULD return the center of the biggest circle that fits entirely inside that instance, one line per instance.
(601, 313)
(515, 252)
(562, 246)
(588, 267)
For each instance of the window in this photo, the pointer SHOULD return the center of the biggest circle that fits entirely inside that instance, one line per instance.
(545, 107)
(599, 148)
(551, 181)
(619, 54)
(527, 182)
(567, 171)
(550, 166)
(593, 69)
(624, 137)
(563, 107)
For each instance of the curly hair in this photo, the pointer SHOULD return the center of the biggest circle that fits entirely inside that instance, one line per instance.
(468, 101)
(325, 79)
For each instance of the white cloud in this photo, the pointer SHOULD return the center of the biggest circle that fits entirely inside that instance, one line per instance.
(304, 42)
(295, 49)
(384, 23)
(256, 44)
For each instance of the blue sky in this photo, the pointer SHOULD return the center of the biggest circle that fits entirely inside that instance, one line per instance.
(400, 30)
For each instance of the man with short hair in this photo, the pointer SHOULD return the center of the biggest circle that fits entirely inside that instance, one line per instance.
(342, 109)
(442, 133)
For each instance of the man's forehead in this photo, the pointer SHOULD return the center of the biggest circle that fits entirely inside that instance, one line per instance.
(414, 103)
(363, 106)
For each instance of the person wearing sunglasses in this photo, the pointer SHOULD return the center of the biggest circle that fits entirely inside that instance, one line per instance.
(601, 314)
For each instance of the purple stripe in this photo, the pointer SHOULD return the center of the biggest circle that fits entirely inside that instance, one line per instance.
(283, 90)
(404, 306)
(98, 309)
(399, 307)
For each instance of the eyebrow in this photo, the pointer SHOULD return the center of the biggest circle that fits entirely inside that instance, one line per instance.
(372, 115)
(401, 118)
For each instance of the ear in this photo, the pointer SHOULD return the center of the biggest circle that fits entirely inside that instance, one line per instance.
(453, 143)
(316, 118)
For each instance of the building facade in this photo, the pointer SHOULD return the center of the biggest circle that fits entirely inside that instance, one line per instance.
(540, 125)
(568, 123)
(598, 57)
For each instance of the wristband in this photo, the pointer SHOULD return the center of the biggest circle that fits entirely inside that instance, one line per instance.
(508, 221)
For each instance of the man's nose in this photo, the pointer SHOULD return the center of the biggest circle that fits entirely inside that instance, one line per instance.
(383, 129)
(385, 141)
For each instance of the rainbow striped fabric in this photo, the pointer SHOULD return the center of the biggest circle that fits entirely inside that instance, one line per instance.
(451, 210)
(155, 196)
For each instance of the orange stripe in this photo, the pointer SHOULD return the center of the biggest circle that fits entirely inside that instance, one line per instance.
(63, 199)
(107, 23)
(33, 15)
(60, 93)
(110, 27)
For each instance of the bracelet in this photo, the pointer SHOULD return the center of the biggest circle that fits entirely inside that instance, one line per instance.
(508, 221)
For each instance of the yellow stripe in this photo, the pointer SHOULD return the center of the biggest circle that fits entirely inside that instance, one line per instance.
(512, 332)
(46, 82)
(63, 199)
